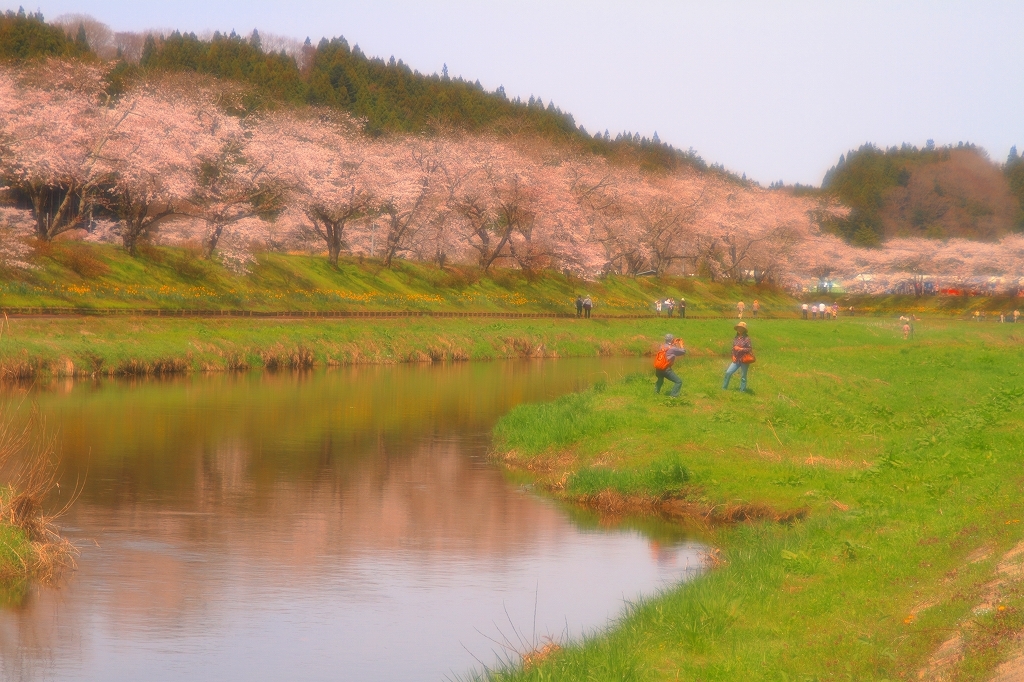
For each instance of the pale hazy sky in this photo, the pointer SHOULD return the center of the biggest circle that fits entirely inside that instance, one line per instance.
(777, 90)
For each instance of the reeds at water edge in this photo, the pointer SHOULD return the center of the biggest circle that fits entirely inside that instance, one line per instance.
(29, 464)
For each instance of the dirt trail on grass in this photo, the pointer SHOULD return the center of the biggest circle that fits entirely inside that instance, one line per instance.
(943, 663)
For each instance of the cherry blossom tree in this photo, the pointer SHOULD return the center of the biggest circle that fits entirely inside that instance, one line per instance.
(52, 134)
(514, 206)
(329, 170)
(405, 199)
(491, 196)
(168, 131)
(231, 192)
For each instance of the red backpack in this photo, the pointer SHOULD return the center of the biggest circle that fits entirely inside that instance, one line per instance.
(661, 360)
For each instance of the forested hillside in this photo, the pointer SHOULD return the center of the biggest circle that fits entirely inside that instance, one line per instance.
(932, 193)
(28, 36)
(386, 96)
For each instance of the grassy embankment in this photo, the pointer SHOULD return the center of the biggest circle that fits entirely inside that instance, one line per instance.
(881, 480)
(927, 306)
(83, 275)
(75, 274)
(78, 274)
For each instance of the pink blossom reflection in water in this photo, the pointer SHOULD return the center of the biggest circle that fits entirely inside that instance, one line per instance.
(338, 526)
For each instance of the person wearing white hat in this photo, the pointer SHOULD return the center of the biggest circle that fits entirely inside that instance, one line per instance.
(742, 357)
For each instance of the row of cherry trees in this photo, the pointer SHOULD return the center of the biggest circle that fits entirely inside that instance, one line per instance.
(176, 159)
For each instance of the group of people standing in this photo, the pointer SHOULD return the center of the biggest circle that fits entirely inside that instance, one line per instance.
(672, 348)
(979, 316)
(820, 311)
(669, 305)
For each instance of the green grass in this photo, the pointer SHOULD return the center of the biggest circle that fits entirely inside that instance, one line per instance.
(40, 346)
(78, 274)
(15, 559)
(14, 551)
(905, 456)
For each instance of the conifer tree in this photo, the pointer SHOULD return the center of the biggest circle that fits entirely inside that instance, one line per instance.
(81, 40)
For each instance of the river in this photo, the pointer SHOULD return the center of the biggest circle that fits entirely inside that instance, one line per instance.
(332, 525)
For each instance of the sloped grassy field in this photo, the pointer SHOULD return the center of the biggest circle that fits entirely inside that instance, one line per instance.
(78, 274)
(896, 470)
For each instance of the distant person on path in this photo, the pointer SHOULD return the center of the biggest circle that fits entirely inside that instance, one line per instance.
(740, 307)
(755, 308)
(803, 309)
(682, 307)
(742, 357)
(657, 306)
(1002, 317)
(821, 310)
(977, 316)
(814, 311)
(579, 306)
(851, 311)
(1016, 314)
(667, 354)
(671, 304)
(906, 330)
(588, 305)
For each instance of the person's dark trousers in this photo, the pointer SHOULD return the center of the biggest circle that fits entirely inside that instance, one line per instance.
(586, 313)
(663, 374)
(579, 312)
(805, 314)
(682, 312)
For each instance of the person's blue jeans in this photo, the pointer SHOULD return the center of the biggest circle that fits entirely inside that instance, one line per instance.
(663, 374)
(742, 367)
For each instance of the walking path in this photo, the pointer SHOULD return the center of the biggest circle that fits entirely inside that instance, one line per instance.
(158, 312)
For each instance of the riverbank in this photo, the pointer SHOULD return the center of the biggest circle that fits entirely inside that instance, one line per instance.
(880, 479)
(87, 346)
(30, 546)
(138, 346)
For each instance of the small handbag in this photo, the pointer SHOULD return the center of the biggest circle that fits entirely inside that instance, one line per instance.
(748, 358)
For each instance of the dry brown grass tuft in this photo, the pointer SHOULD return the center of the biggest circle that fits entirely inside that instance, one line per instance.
(28, 475)
(539, 654)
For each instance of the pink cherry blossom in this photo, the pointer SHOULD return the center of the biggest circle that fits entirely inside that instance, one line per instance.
(52, 130)
(166, 132)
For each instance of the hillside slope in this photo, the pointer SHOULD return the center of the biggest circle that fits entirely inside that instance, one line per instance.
(943, 193)
(73, 274)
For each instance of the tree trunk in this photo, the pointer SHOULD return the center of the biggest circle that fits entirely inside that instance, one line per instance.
(507, 234)
(132, 231)
(53, 220)
(333, 232)
(211, 243)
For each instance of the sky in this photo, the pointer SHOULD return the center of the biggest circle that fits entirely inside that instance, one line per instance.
(775, 90)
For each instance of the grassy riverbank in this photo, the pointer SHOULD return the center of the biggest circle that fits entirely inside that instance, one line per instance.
(75, 346)
(79, 274)
(883, 482)
(30, 545)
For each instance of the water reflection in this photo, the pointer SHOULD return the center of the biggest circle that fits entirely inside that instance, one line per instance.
(338, 525)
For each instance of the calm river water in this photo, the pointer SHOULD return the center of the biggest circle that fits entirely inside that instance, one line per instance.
(340, 525)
